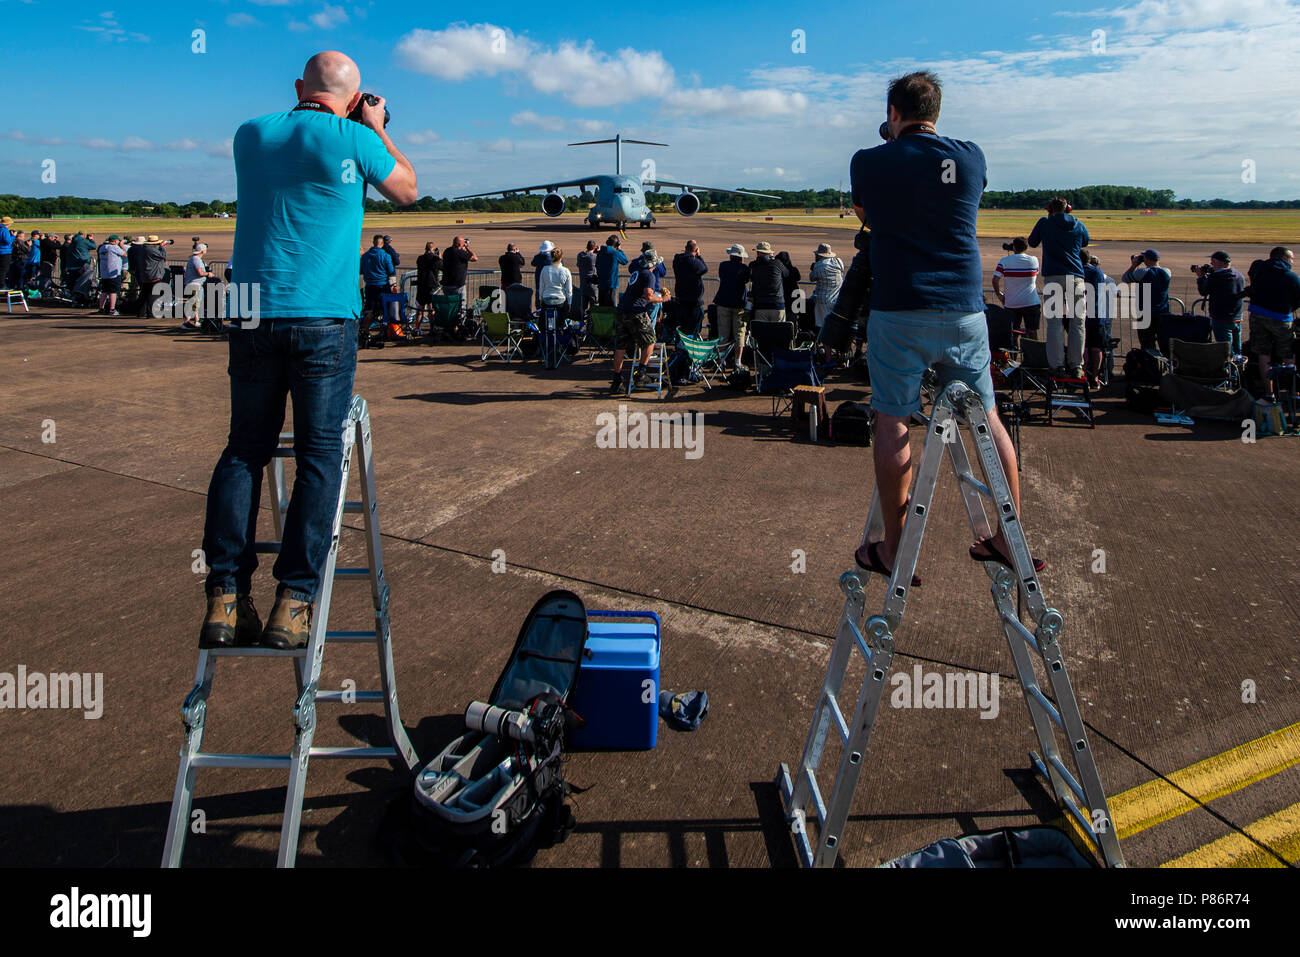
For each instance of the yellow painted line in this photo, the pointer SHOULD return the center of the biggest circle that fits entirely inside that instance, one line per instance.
(1278, 832)
(1149, 804)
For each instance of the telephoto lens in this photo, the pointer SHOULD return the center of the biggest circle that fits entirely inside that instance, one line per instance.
(490, 719)
(884, 131)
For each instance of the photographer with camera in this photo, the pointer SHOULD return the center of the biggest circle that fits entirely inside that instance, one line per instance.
(1063, 238)
(301, 178)
(920, 194)
(1020, 273)
(1274, 293)
(1224, 288)
(455, 269)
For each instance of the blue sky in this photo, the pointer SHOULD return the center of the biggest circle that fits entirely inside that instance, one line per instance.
(1187, 94)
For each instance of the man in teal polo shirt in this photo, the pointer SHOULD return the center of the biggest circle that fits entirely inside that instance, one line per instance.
(301, 179)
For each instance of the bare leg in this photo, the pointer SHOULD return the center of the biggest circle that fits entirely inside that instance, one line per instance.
(892, 452)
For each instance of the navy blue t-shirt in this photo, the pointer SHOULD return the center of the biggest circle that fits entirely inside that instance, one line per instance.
(921, 194)
(634, 298)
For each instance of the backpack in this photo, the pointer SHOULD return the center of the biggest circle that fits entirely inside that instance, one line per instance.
(1142, 374)
(851, 423)
(497, 793)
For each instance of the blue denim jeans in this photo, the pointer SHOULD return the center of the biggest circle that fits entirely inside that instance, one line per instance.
(1228, 331)
(314, 360)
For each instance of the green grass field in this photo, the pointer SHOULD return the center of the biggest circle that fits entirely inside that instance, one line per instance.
(1264, 226)
(1170, 225)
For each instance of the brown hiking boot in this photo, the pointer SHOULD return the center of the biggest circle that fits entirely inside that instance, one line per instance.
(289, 625)
(232, 620)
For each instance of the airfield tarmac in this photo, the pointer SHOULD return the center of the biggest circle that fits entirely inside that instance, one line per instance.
(1198, 597)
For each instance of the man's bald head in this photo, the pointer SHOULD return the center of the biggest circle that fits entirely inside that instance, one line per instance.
(332, 78)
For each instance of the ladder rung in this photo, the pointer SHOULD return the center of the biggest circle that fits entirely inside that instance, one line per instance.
(860, 639)
(354, 508)
(283, 452)
(202, 760)
(819, 805)
(256, 652)
(1084, 821)
(1047, 706)
(349, 636)
(1020, 629)
(1069, 778)
(976, 484)
(351, 572)
(838, 715)
(357, 696)
(267, 548)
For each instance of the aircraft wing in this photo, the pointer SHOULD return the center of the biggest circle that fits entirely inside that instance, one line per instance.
(545, 187)
(706, 189)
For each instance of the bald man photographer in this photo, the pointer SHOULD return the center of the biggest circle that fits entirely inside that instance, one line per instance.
(301, 179)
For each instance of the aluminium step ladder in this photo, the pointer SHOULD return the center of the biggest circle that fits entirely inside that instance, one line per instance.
(1079, 793)
(306, 661)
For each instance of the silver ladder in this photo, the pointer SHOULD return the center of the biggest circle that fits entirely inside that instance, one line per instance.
(800, 792)
(306, 661)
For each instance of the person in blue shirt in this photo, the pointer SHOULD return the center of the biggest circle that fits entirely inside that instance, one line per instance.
(379, 273)
(6, 246)
(1063, 238)
(689, 268)
(919, 193)
(301, 178)
(608, 260)
(33, 269)
(1146, 270)
(1224, 288)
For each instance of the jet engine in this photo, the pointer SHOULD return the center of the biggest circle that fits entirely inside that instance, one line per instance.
(688, 204)
(552, 204)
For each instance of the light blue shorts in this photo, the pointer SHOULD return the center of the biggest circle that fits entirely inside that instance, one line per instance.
(902, 345)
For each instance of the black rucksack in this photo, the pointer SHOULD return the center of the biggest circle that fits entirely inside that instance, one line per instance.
(497, 793)
(851, 423)
(1142, 373)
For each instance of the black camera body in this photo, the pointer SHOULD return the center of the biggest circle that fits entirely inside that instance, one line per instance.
(367, 99)
(1009, 247)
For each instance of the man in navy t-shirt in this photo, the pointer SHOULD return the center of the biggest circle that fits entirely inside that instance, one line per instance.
(919, 193)
(301, 177)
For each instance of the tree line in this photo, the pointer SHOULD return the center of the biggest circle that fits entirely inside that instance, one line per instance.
(1082, 197)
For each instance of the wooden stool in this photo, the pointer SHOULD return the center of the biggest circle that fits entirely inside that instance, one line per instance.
(809, 402)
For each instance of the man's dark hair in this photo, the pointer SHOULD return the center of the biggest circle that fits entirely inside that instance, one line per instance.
(1019, 244)
(376, 240)
(1278, 252)
(916, 96)
(1057, 204)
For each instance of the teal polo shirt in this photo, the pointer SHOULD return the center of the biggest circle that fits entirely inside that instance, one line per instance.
(301, 178)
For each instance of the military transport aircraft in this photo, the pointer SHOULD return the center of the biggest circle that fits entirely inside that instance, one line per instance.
(620, 198)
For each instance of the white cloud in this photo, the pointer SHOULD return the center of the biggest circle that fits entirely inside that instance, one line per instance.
(135, 144)
(242, 20)
(98, 143)
(297, 26)
(528, 118)
(185, 145)
(728, 101)
(588, 77)
(329, 17)
(592, 126)
(273, 3)
(461, 51)
(224, 149)
(502, 145)
(423, 138)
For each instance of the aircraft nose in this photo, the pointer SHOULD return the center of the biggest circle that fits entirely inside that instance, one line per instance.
(625, 206)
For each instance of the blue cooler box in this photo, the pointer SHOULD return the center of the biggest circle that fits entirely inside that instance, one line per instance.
(618, 683)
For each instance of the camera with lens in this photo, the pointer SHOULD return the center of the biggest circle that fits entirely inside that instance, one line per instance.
(367, 99)
(1009, 247)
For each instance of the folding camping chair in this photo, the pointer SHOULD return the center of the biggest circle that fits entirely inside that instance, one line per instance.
(706, 357)
(1205, 363)
(1059, 391)
(789, 368)
(498, 331)
(599, 331)
(766, 339)
(519, 307)
(444, 315)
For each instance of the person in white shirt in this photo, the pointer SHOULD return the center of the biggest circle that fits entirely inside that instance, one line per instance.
(555, 284)
(196, 276)
(1019, 273)
(112, 261)
(828, 273)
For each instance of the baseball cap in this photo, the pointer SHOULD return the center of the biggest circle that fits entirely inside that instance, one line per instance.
(114, 238)
(1220, 254)
(1151, 254)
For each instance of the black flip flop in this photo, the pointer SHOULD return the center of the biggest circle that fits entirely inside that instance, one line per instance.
(996, 556)
(877, 566)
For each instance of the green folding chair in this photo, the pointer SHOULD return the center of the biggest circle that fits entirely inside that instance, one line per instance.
(600, 331)
(707, 357)
(499, 332)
